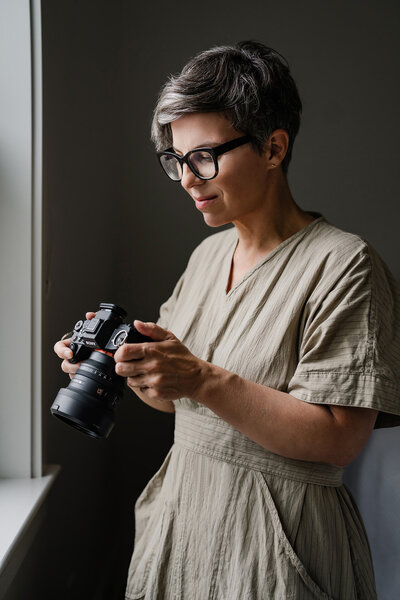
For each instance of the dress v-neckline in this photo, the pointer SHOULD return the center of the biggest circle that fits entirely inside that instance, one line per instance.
(227, 271)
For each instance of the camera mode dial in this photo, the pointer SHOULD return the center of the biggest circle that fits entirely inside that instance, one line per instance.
(120, 338)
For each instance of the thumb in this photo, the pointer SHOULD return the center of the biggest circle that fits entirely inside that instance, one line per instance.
(155, 332)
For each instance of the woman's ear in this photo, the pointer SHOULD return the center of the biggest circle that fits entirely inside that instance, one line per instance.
(277, 146)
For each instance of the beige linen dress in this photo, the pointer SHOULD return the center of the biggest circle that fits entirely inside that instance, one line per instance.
(224, 518)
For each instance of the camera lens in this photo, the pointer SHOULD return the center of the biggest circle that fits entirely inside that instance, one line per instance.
(88, 402)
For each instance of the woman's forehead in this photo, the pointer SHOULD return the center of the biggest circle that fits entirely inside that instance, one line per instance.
(200, 129)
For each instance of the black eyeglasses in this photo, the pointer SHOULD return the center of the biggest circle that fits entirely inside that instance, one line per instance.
(203, 162)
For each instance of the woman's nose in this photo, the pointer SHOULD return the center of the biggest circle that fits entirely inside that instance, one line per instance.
(189, 178)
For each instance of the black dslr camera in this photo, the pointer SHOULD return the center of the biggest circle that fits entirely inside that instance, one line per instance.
(88, 402)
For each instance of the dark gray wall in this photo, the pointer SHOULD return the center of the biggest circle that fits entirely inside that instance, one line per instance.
(117, 230)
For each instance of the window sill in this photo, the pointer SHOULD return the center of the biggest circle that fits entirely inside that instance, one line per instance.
(20, 500)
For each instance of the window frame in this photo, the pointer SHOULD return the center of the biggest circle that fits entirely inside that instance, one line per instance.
(24, 483)
(21, 239)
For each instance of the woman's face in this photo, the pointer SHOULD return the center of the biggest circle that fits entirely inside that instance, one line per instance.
(241, 187)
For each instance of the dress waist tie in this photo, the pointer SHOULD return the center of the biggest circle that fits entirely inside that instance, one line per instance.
(217, 439)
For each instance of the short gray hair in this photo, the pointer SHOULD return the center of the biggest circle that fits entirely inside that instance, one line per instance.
(250, 83)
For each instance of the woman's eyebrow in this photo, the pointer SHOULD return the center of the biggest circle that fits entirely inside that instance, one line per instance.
(207, 144)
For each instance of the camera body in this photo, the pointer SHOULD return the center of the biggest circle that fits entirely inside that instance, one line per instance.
(87, 404)
(104, 332)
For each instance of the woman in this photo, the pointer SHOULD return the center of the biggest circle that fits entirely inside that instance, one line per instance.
(278, 352)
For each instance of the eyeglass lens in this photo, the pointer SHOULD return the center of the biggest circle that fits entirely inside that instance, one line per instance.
(201, 162)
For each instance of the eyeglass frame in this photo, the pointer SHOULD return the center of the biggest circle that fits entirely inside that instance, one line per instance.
(214, 151)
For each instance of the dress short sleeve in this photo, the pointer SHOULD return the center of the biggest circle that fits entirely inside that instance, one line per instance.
(349, 343)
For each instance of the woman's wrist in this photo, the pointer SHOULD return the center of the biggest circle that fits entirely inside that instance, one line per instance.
(210, 378)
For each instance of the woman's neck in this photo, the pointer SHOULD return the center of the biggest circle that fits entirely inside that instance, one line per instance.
(277, 219)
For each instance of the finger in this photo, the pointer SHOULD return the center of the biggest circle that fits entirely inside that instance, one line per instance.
(68, 367)
(133, 351)
(154, 331)
(133, 385)
(139, 381)
(90, 315)
(133, 368)
(61, 348)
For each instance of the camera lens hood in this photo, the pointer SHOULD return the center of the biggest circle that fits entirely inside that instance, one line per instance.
(83, 412)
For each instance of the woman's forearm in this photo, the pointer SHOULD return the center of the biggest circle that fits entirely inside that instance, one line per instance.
(282, 423)
(274, 419)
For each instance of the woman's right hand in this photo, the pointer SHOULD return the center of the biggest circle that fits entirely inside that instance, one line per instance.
(62, 349)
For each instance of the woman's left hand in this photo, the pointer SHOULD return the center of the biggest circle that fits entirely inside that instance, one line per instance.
(165, 369)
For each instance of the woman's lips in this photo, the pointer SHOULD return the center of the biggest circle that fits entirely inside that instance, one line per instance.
(204, 201)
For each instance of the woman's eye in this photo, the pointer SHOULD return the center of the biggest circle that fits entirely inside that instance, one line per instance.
(203, 157)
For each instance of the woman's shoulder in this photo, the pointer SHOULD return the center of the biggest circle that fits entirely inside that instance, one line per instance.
(342, 256)
(219, 239)
(214, 245)
(334, 240)
(340, 249)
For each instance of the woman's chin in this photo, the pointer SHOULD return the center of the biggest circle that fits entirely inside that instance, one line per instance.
(214, 220)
